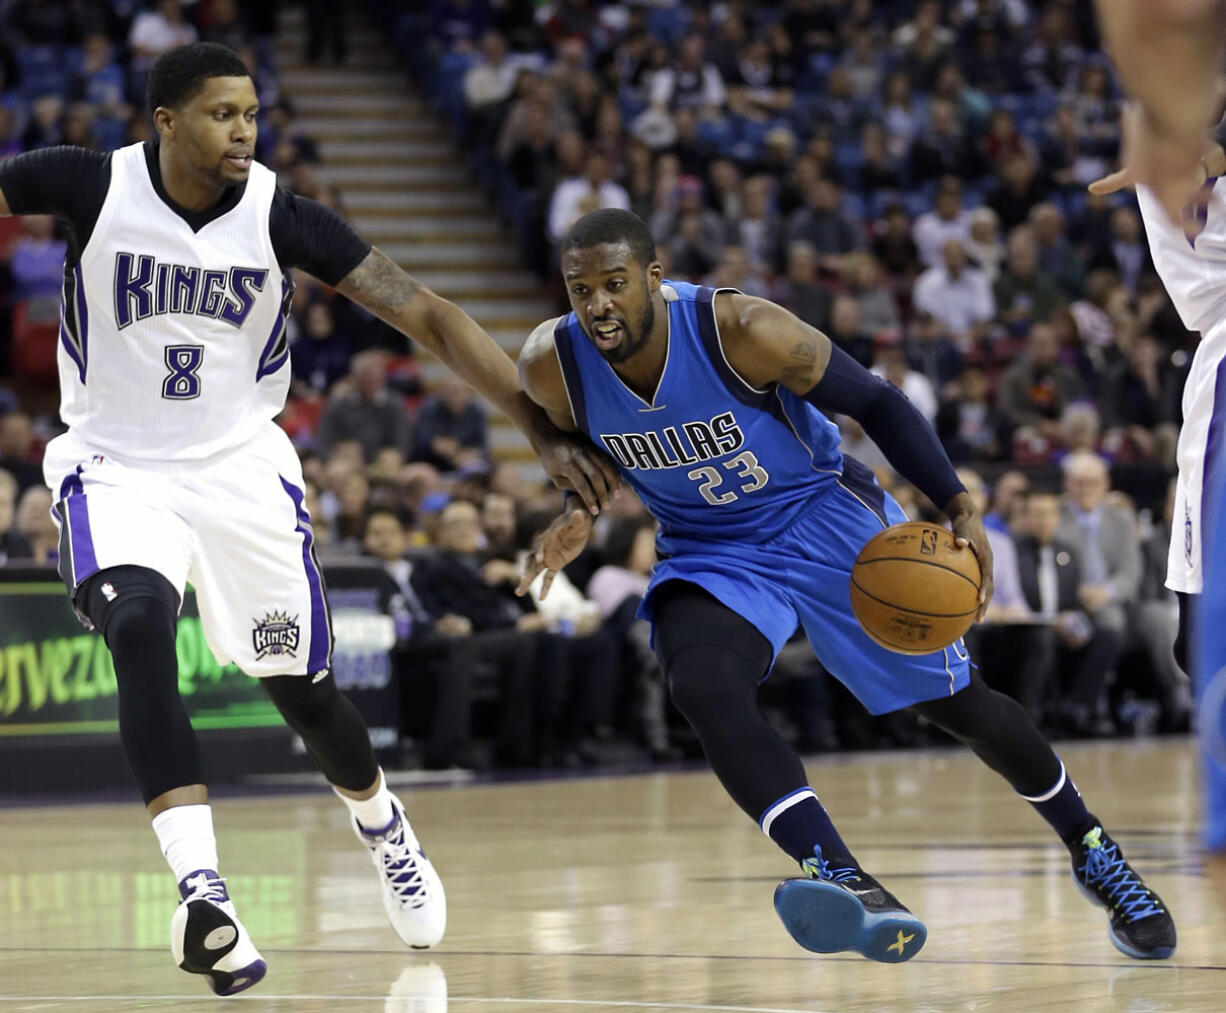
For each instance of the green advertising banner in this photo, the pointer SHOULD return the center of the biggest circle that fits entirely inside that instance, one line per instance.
(56, 678)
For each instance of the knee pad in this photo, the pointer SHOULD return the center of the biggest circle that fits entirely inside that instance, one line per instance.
(304, 704)
(124, 601)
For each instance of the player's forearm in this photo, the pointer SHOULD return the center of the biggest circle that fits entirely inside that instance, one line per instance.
(1168, 54)
(474, 357)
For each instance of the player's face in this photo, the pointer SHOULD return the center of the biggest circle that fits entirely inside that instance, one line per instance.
(611, 294)
(215, 131)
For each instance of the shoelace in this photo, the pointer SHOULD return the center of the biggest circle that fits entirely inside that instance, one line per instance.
(212, 889)
(819, 868)
(402, 870)
(1106, 869)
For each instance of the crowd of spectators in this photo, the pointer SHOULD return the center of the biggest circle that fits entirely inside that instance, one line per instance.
(907, 176)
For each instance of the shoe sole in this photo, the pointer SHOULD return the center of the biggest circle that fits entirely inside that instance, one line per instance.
(209, 936)
(826, 918)
(1121, 944)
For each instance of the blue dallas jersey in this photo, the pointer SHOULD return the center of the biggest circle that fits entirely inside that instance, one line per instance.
(710, 456)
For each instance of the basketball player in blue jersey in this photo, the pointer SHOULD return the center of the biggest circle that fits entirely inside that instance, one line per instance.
(173, 362)
(712, 404)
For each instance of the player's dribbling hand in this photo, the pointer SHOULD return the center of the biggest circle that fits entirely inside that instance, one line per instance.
(969, 532)
(560, 543)
(577, 466)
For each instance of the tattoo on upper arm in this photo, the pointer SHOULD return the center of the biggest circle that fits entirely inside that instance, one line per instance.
(801, 360)
(378, 282)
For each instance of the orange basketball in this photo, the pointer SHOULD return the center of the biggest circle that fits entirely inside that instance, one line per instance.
(914, 589)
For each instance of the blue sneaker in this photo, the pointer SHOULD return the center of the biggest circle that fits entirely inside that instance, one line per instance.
(1141, 926)
(841, 907)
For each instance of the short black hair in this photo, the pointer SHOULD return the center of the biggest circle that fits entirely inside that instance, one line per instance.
(178, 75)
(612, 225)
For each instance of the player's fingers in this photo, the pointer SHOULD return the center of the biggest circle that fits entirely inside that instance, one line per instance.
(532, 566)
(547, 583)
(583, 488)
(598, 480)
(1119, 180)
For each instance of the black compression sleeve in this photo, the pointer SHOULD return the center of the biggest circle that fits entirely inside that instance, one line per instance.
(66, 181)
(307, 235)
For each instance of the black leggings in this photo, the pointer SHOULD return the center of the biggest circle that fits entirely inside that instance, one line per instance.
(714, 660)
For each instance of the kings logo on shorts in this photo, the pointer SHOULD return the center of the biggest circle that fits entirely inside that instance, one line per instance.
(275, 634)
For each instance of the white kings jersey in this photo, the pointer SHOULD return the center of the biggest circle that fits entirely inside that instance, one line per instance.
(173, 345)
(1194, 273)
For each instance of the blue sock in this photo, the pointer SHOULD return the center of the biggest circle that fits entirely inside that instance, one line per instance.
(1062, 807)
(798, 821)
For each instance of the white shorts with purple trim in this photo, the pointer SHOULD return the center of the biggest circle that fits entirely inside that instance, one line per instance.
(235, 528)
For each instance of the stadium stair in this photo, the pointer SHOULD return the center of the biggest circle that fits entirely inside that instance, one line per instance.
(406, 188)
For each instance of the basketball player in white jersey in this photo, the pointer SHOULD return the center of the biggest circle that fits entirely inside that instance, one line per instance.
(173, 362)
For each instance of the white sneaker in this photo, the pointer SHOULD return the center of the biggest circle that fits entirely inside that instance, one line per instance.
(206, 936)
(413, 894)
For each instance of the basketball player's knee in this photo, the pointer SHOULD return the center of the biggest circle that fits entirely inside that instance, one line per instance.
(306, 706)
(133, 607)
(706, 679)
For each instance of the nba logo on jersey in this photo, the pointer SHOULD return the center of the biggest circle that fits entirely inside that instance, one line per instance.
(276, 633)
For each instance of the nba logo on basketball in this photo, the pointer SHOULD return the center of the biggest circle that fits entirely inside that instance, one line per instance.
(928, 542)
(275, 634)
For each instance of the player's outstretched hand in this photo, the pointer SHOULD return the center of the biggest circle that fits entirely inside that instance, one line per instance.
(575, 465)
(969, 532)
(560, 543)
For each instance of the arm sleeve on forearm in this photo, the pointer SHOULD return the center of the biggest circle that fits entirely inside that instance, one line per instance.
(892, 422)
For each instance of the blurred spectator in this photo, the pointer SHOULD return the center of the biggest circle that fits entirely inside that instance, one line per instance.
(1018, 191)
(17, 451)
(100, 80)
(690, 82)
(1127, 253)
(37, 262)
(846, 330)
(758, 230)
(1053, 60)
(760, 86)
(156, 31)
(36, 526)
(802, 291)
(931, 349)
(1140, 393)
(733, 271)
(227, 27)
(1057, 258)
(983, 246)
(1025, 295)
(578, 195)
(321, 356)
(1105, 536)
(1008, 602)
(13, 544)
(500, 522)
(878, 169)
(947, 220)
(898, 114)
(365, 410)
(1036, 388)
(457, 25)
(864, 283)
(43, 129)
(1070, 157)
(864, 65)
(450, 430)
(890, 362)
(942, 148)
(967, 422)
(821, 223)
(894, 246)
(1007, 496)
(956, 294)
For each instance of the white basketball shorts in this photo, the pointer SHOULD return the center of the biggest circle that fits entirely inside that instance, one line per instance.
(235, 527)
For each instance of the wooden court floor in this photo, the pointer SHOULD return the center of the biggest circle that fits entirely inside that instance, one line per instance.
(647, 892)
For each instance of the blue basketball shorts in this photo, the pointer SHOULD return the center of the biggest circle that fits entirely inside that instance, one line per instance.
(803, 576)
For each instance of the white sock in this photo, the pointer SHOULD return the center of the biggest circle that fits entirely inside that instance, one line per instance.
(185, 833)
(373, 814)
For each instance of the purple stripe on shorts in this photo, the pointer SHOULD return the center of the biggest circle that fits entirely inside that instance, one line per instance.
(320, 634)
(80, 541)
(1212, 440)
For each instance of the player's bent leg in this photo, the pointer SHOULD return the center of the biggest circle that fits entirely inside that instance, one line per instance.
(336, 737)
(134, 608)
(714, 659)
(1001, 733)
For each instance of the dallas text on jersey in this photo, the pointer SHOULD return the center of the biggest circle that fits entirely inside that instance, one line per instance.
(144, 287)
(676, 446)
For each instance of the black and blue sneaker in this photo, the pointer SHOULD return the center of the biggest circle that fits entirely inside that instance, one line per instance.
(1141, 925)
(839, 906)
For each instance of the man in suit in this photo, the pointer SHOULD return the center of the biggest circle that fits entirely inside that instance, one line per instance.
(1051, 574)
